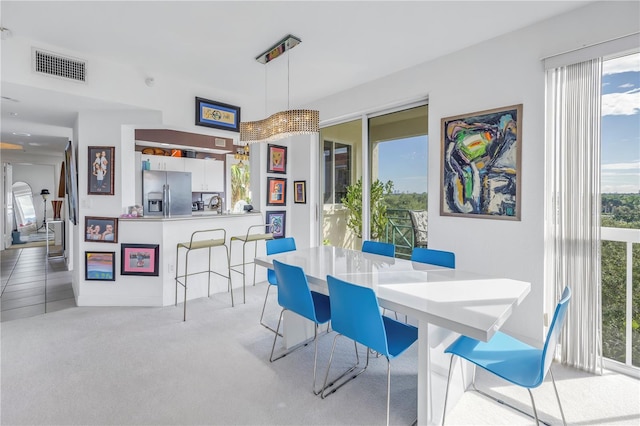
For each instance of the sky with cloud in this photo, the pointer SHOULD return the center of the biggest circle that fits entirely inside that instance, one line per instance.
(620, 154)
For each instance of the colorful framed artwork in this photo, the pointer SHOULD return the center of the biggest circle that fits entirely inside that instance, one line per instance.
(481, 164)
(276, 220)
(101, 170)
(276, 191)
(300, 192)
(276, 159)
(101, 229)
(139, 259)
(100, 265)
(217, 115)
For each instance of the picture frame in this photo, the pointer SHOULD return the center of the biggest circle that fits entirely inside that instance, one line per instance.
(101, 229)
(100, 265)
(101, 167)
(300, 192)
(71, 182)
(139, 259)
(481, 166)
(217, 115)
(276, 191)
(277, 222)
(276, 159)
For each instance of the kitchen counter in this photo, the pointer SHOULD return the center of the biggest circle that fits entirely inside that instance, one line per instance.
(200, 214)
(132, 290)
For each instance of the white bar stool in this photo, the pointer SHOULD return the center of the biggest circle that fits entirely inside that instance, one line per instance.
(209, 239)
(250, 237)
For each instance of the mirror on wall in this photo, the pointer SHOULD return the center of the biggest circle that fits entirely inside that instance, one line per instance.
(25, 212)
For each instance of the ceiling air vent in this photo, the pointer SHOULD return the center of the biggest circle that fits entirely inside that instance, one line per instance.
(59, 66)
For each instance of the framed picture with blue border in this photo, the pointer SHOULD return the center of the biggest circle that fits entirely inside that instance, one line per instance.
(276, 223)
(217, 115)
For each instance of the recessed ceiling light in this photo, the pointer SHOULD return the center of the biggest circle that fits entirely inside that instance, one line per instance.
(164, 144)
(13, 114)
(21, 134)
(35, 144)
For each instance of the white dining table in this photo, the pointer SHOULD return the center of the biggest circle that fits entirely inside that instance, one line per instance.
(475, 305)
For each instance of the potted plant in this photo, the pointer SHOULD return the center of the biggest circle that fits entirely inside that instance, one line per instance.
(353, 202)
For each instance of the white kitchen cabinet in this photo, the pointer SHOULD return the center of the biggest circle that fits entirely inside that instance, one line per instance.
(165, 163)
(206, 175)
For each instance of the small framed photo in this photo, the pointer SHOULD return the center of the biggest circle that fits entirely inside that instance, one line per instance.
(276, 191)
(217, 115)
(276, 220)
(101, 170)
(101, 229)
(100, 265)
(276, 159)
(300, 192)
(139, 259)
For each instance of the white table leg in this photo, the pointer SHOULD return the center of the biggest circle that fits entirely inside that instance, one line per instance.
(296, 329)
(424, 397)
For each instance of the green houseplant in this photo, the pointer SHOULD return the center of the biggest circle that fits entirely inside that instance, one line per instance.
(353, 202)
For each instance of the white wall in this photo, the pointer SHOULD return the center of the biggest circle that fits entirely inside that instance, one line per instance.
(501, 72)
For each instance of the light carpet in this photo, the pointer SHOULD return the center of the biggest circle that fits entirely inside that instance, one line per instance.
(144, 366)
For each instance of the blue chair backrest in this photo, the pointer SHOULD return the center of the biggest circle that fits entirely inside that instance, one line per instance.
(279, 245)
(377, 247)
(355, 313)
(434, 257)
(559, 318)
(293, 290)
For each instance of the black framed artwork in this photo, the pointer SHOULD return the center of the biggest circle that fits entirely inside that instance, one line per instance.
(217, 115)
(276, 159)
(139, 259)
(100, 265)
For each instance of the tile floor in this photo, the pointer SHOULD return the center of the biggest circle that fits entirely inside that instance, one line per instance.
(24, 275)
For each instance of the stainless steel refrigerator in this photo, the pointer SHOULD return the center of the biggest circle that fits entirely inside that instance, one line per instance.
(166, 193)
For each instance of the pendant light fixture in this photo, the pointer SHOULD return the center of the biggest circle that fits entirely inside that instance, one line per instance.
(284, 123)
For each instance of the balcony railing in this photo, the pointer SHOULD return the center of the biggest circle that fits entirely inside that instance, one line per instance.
(620, 318)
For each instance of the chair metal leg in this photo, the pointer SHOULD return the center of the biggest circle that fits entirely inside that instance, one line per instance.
(388, 388)
(177, 267)
(186, 275)
(255, 254)
(226, 249)
(263, 307)
(277, 333)
(326, 386)
(564, 421)
(513, 407)
(446, 392)
(209, 276)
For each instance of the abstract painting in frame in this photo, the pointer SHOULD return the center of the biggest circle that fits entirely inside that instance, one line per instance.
(100, 265)
(276, 159)
(276, 191)
(217, 115)
(139, 259)
(101, 170)
(300, 192)
(481, 164)
(277, 221)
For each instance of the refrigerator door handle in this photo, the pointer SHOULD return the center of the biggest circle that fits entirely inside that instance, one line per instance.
(167, 211)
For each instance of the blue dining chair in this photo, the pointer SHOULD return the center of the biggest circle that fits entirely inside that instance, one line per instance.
(294, 295)
(377, 247)
(355, 314)
(279, 245)
(513, 360)
(383, 249)
(434, 257)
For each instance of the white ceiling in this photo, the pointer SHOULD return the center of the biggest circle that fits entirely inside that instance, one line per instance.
(214, 43)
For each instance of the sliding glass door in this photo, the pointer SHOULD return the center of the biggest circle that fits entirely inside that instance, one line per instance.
(394, 180)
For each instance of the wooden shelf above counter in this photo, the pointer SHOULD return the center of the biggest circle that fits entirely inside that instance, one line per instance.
(204, 145)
